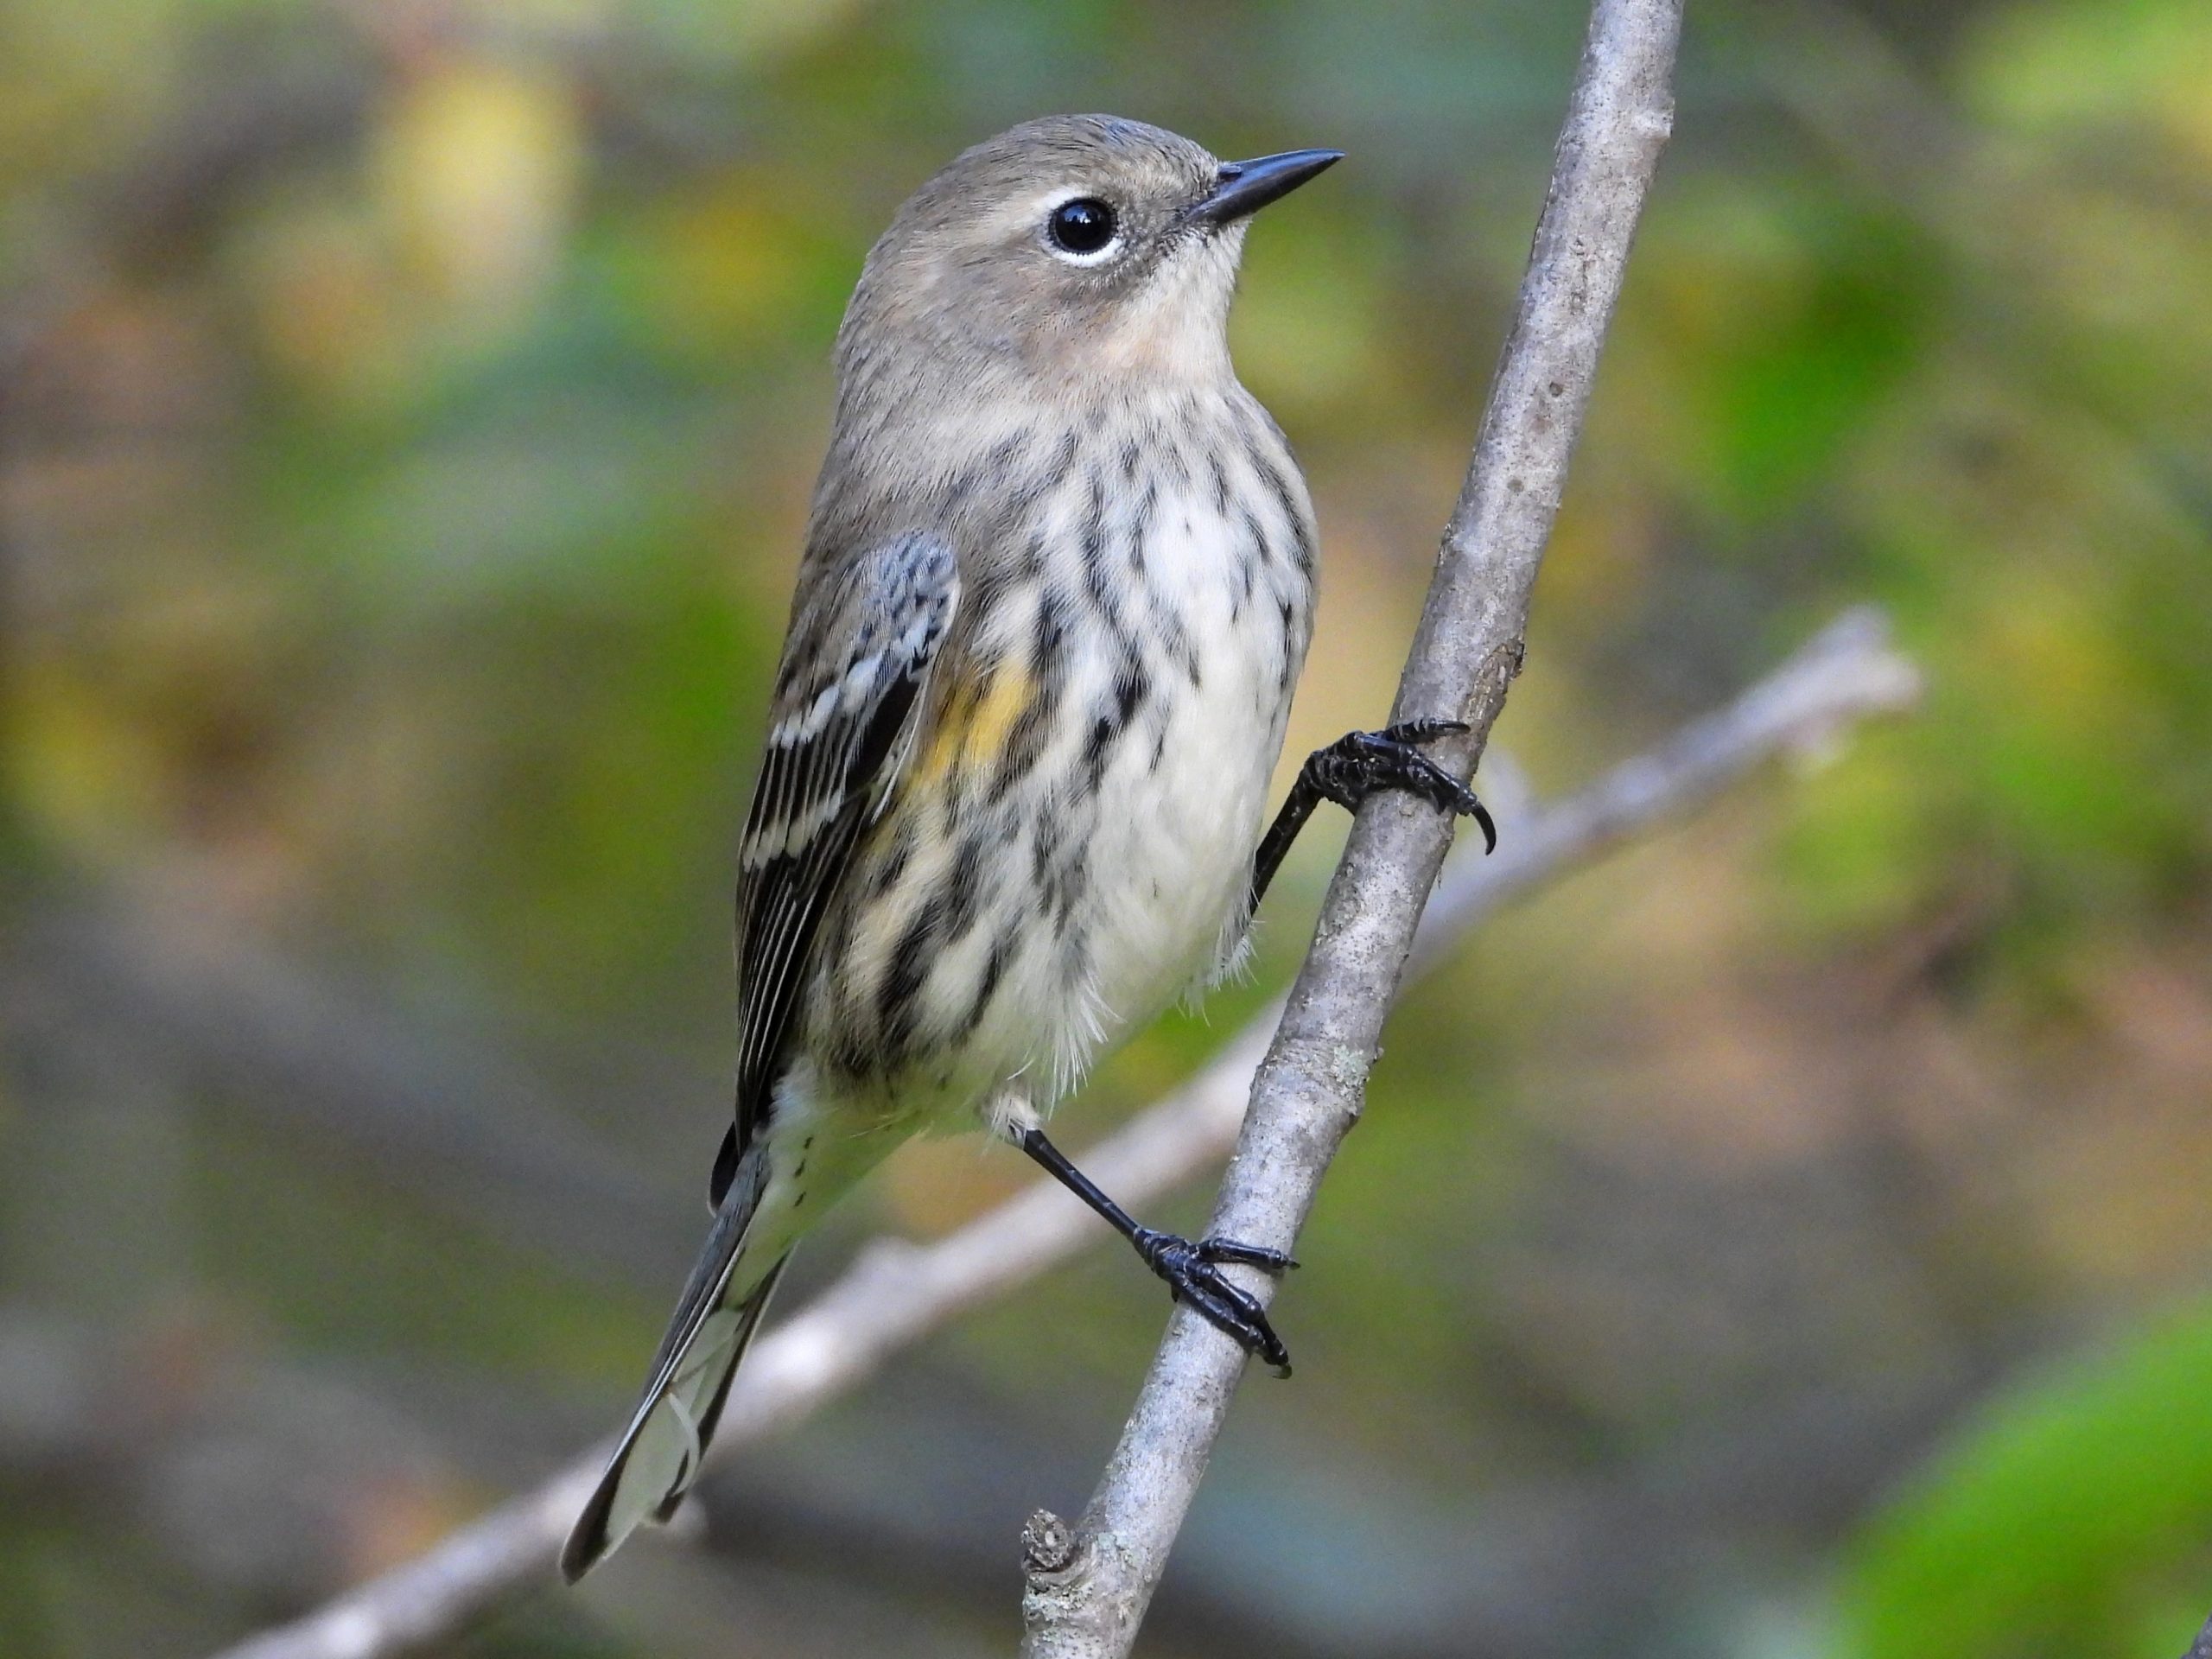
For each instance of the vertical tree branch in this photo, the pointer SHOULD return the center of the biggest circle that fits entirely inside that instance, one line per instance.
(1088, 1589)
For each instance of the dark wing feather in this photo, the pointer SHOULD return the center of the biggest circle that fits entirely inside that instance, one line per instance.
(847, 699)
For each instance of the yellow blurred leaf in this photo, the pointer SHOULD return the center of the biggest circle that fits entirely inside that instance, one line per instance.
(478, 166)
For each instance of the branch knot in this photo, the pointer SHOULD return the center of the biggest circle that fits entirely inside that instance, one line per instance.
(1048, 1544)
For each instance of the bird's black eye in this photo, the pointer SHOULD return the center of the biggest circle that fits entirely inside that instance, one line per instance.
(1084, 226)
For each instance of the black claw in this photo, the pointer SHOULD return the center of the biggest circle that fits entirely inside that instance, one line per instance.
(1359, 764)
(1192, 1271)
(1250, 1256)
(1250, 1329)
(1194, 1276)
(1483, 822)
(1424, 731)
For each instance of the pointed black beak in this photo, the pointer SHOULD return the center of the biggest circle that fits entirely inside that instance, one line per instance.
(1246, 187)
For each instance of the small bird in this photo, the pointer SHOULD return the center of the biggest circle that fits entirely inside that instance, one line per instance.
(1056, 593)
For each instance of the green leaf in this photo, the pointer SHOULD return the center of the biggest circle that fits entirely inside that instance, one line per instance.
(2066, 1517)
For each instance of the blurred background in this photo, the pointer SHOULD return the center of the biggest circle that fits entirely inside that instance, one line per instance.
(1786, 1241)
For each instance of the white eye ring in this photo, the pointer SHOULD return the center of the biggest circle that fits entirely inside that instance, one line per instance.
(1089, 211)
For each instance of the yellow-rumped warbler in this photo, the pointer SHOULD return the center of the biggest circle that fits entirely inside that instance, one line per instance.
(1057, 590)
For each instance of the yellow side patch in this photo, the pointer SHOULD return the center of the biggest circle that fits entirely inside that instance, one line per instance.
(977, 719)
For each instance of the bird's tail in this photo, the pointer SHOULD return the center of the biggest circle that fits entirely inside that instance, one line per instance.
(660, 1454)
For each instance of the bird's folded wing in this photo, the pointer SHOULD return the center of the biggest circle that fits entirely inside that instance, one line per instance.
(847, 698)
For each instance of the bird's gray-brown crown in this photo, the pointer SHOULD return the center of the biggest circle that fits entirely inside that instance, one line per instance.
(1064, 248)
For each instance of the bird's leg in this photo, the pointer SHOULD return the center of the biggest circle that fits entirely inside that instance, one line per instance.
(1192, 1270)
(1360, 764)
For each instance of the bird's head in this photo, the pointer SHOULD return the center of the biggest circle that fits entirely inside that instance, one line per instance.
(1065, 249)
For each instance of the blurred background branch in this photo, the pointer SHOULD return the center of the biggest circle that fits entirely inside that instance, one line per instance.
(370, 1090)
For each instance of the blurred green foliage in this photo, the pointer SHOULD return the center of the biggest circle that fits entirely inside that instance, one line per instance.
(2070, 1514)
